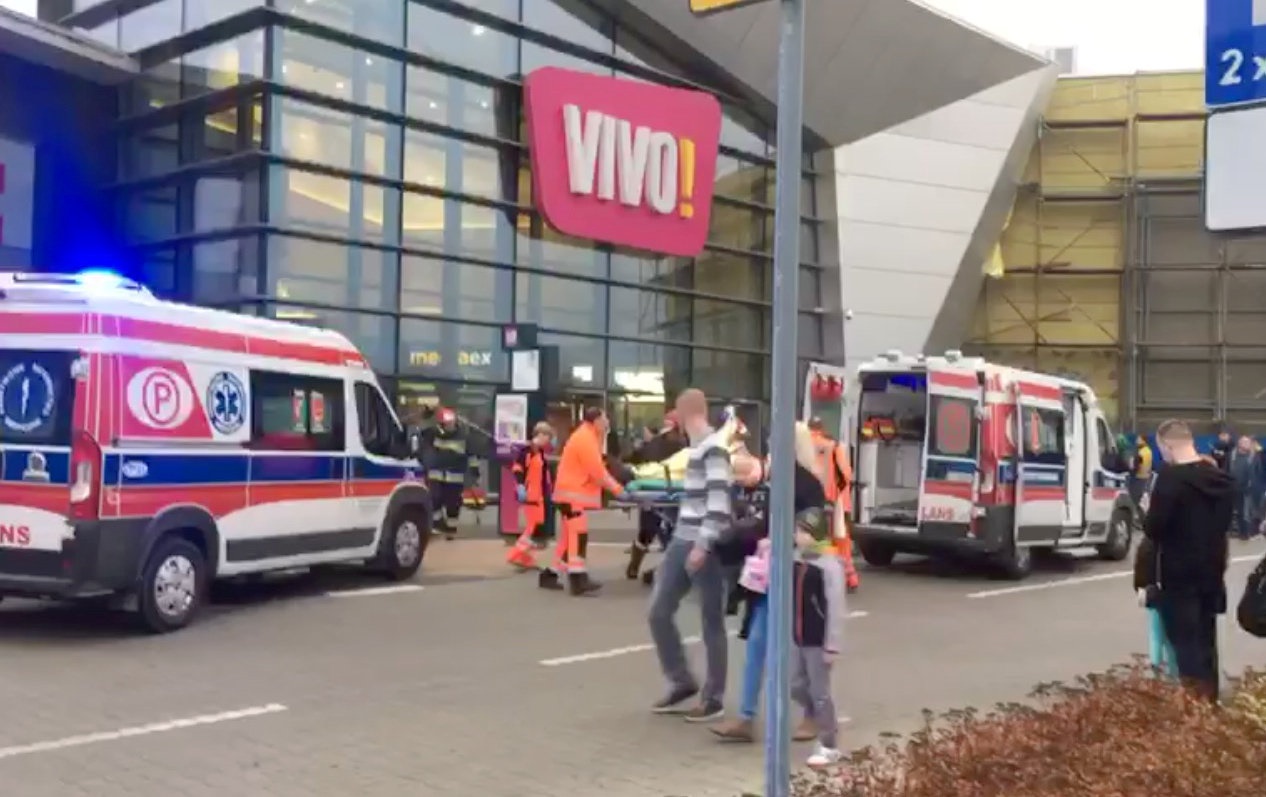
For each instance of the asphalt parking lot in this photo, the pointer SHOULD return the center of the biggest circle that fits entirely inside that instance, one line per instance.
(470, 681)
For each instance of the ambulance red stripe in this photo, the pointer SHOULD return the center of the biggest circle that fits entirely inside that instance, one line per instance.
(49, 497)
(947, 488)
(955, 380)
(1042, 392)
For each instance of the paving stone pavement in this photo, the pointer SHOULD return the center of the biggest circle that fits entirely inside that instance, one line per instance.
(442, 691)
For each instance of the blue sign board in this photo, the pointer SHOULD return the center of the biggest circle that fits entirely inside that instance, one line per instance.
(1235, 52)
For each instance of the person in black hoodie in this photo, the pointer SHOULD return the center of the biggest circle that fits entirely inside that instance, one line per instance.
(1221, 452)
(1188, 513)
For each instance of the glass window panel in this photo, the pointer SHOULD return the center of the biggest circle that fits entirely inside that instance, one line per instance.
(224, 270)
(582, 361)
(301, 270)
(564, 304)
(150, 25)
(158, 271)
(462, 42)
(740, 179)
(200, 14)
(809, 335)
(635, 49)
(739, 227)
(149, 152)
(150, 215)
(222, 65)
(457, 228)
(429, 286)
(224, 200)
(736, 276)
(462, 104)
(810, 289)
(374, 335)
(651, 271)
(213, 134)
(729, 375)
(539, 246)
(575, 23)
(334, 70)
(808, 242)
(726, 324)
(742, 132)
(452, 164)
(649, 372)
(448, 350)
(324, 204)
(382, 20)
(808, 197)
(106, 33)
(154, 88)
(310, 133)
(649, 314)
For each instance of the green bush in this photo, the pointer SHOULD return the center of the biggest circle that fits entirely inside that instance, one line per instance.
(1123, 733)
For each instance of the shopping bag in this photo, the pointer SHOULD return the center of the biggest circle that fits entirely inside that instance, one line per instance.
(1159, 650)
(1251, 613)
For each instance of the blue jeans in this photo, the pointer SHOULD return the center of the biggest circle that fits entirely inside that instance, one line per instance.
(1247, 516)
(754, 665)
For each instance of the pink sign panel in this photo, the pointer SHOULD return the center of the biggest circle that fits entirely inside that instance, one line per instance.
(623, 162)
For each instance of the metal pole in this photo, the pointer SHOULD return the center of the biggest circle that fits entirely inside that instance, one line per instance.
(783, 395)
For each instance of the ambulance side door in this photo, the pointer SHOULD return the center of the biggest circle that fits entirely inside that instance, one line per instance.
(1105, 483)
(1041, 481)
(949, 484)
(372, 447)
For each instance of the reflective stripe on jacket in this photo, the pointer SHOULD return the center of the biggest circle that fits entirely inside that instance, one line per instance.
(582, 475)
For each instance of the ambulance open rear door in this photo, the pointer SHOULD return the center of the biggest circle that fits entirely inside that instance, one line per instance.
(1041, 480)
(949, 483)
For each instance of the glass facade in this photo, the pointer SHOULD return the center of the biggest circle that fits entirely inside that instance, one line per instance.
(361, 165)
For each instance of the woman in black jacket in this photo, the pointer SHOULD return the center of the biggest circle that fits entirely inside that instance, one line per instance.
(809, 498)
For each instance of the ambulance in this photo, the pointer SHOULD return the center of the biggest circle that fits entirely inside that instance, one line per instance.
(149, 448)
(956, 455)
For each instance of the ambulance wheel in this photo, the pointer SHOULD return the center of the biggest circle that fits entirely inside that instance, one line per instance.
(877, 554)
(1120, 537)
(404, 543)
(171, 588)
(1015, 563)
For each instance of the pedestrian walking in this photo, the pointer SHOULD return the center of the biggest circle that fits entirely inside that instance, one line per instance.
(449, 466)
(532, 477)
(704, 514)
(808, 499)
(1245, 467)
(1140, 470)
(582, 478)
(1188, 513)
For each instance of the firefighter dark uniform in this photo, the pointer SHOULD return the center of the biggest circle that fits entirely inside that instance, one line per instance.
(652, 526)
(531, 472)
(582, 477)
(449, 464)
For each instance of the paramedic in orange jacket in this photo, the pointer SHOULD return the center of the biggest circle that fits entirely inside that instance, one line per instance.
(532, 474)
(582, 477)
(837, 482)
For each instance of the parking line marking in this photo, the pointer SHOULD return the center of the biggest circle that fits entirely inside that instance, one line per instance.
(1072, 582)
(624, 651)
(140, 730)
(370, 591)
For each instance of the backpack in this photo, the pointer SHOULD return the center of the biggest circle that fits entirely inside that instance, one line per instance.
(1251, 613)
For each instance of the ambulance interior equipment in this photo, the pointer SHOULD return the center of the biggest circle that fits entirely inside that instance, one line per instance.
(957, 455)
(148, 448)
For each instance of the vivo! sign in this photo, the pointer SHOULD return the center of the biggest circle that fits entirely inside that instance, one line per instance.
(623, 162)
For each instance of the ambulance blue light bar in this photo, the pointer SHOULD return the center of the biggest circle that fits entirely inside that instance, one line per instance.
(95, 280)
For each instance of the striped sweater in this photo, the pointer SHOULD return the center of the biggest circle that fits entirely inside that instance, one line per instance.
(705, 510)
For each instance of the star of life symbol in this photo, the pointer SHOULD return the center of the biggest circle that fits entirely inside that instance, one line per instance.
(225, 397)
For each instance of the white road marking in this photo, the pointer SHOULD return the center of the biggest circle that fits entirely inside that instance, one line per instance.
(624, 651)
(1072, 582)
(140, 730)
(363, 593)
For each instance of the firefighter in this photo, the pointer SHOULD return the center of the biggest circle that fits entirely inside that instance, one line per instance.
(449, 464)
(582, 477)
(837, 481)
(532, 474)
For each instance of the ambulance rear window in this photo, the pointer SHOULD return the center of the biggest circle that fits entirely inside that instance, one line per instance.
(37, 396)
(952, 428)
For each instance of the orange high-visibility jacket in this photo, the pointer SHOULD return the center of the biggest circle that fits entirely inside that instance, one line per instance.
(582, 475)
(837, 471)
(531, 471)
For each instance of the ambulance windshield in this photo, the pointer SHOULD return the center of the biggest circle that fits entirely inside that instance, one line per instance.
(36, 397)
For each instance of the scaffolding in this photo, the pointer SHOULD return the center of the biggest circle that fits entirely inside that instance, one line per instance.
(1110, 276)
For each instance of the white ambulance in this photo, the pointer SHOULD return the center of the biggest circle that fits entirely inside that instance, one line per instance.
(148, 448)
(956, 455)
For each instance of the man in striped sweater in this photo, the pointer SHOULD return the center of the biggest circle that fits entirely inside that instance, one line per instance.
(704, 515)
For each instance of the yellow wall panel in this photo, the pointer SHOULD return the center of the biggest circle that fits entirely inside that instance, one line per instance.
(1050, 310)
(1172, 148)
(1082, 159)
(1005, 311)
(1019, 240)
(1090, 99)
(1081, 235)
(1169, 93)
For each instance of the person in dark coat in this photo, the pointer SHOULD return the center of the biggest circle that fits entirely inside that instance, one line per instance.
(651, 523)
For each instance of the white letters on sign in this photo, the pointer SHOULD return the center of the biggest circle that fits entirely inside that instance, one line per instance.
(610, 159)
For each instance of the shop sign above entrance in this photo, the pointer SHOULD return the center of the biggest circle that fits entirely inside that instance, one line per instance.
(704, 7)
(621, 161)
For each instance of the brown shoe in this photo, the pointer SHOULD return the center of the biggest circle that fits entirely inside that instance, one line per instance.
(737, 730)
(806, 731)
